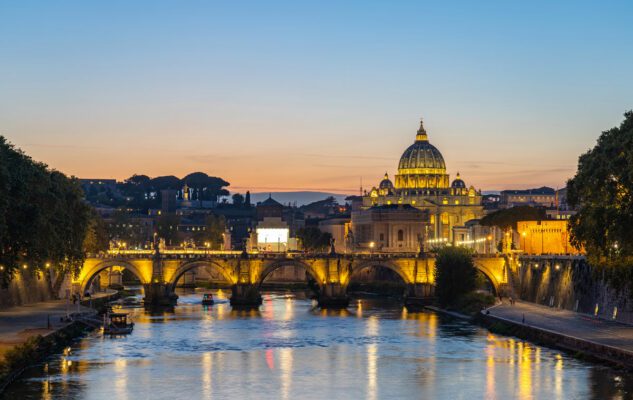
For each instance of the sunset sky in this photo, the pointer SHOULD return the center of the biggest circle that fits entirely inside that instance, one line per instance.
(276, 96)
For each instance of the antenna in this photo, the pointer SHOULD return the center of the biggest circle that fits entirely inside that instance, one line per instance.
(361, 186)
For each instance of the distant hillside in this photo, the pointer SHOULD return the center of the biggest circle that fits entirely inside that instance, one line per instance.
(301, 198)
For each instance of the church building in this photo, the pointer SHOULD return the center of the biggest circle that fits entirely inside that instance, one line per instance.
(423, 183)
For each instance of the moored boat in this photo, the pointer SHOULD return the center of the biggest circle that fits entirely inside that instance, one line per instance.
(117, 324)
(207, 299)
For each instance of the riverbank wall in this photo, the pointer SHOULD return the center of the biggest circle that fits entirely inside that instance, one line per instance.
(573, 284)
(26, 287)
(580, 348)
(35, 350)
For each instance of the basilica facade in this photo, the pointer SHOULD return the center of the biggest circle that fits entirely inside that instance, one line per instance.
(423, 183)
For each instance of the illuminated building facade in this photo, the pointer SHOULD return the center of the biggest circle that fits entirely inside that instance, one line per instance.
(545, 237)
(423, 182)
(390, 228)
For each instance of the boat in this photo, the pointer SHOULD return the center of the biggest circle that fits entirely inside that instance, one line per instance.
(207, 299)
(117, 324)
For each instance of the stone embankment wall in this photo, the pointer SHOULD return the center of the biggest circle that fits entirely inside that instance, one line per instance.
(570, 283)
(26, 287)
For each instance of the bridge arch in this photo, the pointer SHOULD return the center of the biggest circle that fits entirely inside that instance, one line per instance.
(269, 268)
(87, 275)
(357, 268)
(225, 271)
(489, 275)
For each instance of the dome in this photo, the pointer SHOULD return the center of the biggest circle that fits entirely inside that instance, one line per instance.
(458, 183)
(421, 165)
(386, 183)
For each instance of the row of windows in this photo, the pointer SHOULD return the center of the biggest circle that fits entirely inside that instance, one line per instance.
(400, 236)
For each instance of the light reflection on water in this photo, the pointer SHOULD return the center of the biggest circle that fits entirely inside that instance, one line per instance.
(289, 349)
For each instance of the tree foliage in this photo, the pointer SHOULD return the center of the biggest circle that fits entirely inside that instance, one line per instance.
(167, 229)
(45, 220)
(455, 274)
(602, 190)
(212, 234)
(313, 239)
(509, 217)
(141, 193)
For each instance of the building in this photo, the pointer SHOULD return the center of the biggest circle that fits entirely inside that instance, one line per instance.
(422, 182)
(545, 237)
(543, 197)
(339, 228)
(276, 227)
(389, 228)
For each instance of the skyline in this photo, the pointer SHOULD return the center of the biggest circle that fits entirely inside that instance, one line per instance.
(283, 97)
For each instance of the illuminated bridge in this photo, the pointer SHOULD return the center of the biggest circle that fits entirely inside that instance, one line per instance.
(159, 271)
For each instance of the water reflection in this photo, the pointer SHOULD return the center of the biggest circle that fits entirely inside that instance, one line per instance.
(290, 349)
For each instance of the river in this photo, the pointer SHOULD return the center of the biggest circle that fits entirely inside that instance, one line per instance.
(291, 350)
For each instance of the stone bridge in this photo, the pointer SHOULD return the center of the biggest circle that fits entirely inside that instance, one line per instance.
(160, 271)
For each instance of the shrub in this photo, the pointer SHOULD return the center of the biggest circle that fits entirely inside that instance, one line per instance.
(455, 274)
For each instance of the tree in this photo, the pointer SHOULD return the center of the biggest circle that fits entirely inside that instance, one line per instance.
(455, 274)
(313, 239)
(238, 200)
(509, 217)
(206, 187)
(602, 190)
(212, 235)
(45, 226)
(167, 228)
(97, 239)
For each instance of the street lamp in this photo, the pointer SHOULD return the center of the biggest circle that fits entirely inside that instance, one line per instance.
(371, 246)
(524, 234)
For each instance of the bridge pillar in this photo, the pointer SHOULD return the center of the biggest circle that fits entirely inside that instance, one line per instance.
(419, 295)
(159, 295)
(333, 295)
(245, 295)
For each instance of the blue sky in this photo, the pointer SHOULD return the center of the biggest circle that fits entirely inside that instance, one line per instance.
(313, 95)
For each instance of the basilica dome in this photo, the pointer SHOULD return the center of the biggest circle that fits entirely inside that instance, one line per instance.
(458, 183)
(421, 165)
(386, 183)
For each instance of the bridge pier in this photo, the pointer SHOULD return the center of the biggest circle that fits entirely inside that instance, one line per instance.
(333, 295)
(159, 295)
(419, 295)
(245, 295)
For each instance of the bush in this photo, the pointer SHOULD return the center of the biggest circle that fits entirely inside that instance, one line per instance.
(455, 274)
(473, 302)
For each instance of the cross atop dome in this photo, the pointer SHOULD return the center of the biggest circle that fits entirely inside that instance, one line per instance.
(421, 135)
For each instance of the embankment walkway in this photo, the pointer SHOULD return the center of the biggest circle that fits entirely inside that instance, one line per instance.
(569, 323)
(17, 324)
(609, 341)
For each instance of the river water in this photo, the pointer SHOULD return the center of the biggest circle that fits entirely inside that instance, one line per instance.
(291, 350)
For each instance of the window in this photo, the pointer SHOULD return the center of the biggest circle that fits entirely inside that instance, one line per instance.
(382, 237)
(400, 235)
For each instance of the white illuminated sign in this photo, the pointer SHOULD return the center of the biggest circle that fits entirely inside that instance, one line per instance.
(272, 235)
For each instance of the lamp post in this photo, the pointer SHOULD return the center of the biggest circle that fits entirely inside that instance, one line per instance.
(371, 247)
(523, 234)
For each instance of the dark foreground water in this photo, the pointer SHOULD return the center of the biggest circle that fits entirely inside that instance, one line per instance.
(290, 350)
